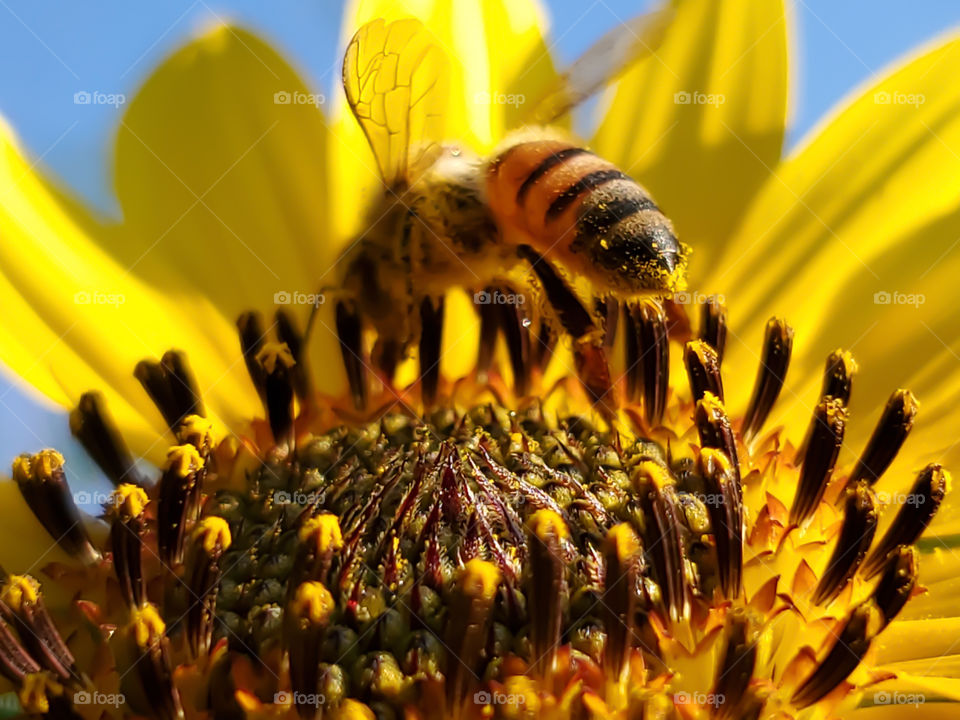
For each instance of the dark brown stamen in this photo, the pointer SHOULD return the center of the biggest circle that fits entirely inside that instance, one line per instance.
(203, 575)
(623, 558)
(252, 335)
(289, 333)
(177, 500)
(856, 535)
(320, 540)
(648, 357)
(15, 661)
(916, 512)
(306, 618)
(92, 425)
(471, 611)
(851, 645)
(658, 499)
(171, 386)
(726, 517)
(126, 540)
(278, 372)
(897, 582)
(431, 338)
(350, 333)
(826, 439)
(774, 362)
(703, 369)
(731, 687)
(838, 376)
(546, 587)
(149, 666)
(713, 427)
(888, 437)
(43, 484)
(22, 606)
(713, 325)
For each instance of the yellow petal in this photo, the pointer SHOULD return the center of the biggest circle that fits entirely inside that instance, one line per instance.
(220, 172)
(701, 122)
(854, 241)
(74, 319)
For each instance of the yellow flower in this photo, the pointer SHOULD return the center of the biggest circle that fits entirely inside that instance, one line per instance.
(491, 558)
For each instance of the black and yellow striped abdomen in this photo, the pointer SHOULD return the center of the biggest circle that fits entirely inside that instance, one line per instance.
(580, 209)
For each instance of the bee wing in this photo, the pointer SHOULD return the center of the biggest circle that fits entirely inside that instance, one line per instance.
(396, 81)
(602, 62)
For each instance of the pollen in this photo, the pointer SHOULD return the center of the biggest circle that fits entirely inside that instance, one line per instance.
(481, 555)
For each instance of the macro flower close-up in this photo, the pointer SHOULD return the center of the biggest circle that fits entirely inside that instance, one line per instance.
(424, 396)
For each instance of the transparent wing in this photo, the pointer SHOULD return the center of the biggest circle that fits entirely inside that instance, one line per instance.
(396, 81)
(602, 62)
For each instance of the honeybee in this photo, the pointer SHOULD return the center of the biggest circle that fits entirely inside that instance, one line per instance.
(540, 214)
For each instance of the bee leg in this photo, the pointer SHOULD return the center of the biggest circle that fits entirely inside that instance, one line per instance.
(350, 332)
(591, 360)
(518, 344)
(431, 337)
(609, 310)
(541, 347)
(386, 356)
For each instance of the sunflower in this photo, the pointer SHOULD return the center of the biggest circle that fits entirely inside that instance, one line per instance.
(723, 543)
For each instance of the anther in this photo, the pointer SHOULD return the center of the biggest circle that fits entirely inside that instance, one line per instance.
(731, 687)
(623, 556)
(713, 325)
(852, 643)
(22, 606)
(431, 338)
(278, 362)
(210, 540)
(171, 386)
(713, 427)
(126, 510)
(250, 329)
(305, 620)
(471, 611)
(91, 424)
(148, 664)
(547, 587)
(659, 501)
(897, 582)
(43, 485)
(350, 333)
(856, 534)
(826, 439)
(703, 369)
(774, 362)
(15, 661)
(888, 437)
(916, 512)
(726, 517)
(178, 499)
(196, 431)
(291, 336)
(320, 540)
(838, 376)
(648, 357)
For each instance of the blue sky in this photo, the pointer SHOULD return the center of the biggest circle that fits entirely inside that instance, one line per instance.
(50, 50)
